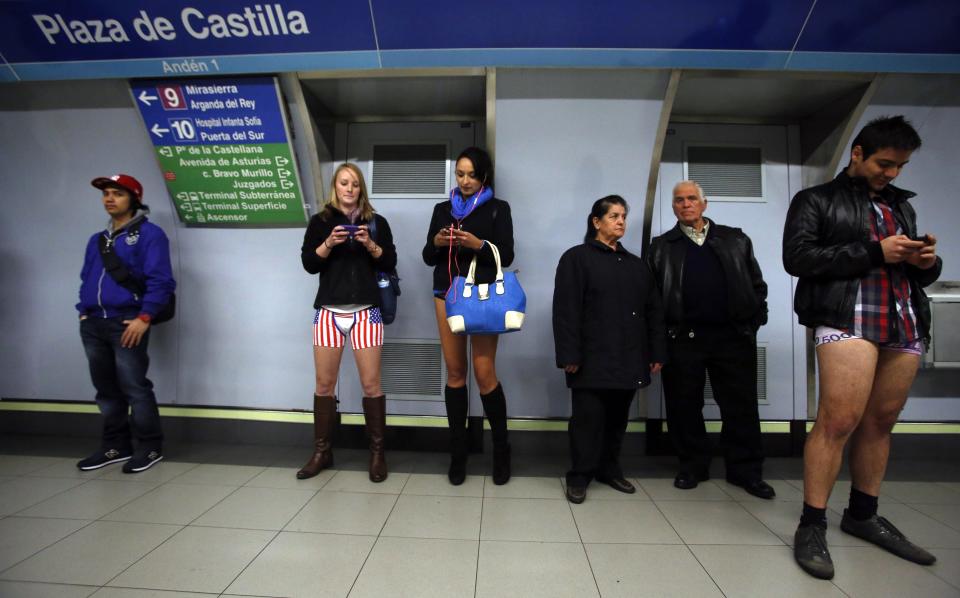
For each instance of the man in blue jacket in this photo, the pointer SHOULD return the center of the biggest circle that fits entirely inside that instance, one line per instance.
(115, 324)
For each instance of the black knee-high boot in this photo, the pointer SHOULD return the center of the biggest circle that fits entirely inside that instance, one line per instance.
(456, 401)
(495, 406)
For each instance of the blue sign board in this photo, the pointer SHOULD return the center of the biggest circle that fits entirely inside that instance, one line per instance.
(223, 147)
(62, 39)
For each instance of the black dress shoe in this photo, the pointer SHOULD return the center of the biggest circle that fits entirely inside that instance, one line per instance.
(619, 484)
(686, 480)
(882, 533)
(576, 494)
(810, 551)
(758, 488)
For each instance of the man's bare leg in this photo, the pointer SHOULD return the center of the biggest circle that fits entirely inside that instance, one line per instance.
(870, 443)
(846, 380)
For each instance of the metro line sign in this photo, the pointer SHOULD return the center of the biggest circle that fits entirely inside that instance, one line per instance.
(223, 147)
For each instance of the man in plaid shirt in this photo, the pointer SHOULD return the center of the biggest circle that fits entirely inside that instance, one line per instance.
(862, 267)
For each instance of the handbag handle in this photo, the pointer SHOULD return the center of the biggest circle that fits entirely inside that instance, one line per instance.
(468, 284)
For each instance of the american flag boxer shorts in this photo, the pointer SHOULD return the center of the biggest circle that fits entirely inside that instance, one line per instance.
(365, 328)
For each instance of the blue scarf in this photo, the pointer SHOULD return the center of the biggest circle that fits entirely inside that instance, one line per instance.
(461, 208)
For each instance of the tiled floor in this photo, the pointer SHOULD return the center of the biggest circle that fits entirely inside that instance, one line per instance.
(234, 521)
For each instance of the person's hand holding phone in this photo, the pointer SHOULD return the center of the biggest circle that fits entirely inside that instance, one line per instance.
(466, 239)
(925, 256)
(338, 235)
(442, 238)
(899, 248)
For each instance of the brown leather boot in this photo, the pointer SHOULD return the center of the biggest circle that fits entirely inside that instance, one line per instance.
(324, 416)
(375, 415)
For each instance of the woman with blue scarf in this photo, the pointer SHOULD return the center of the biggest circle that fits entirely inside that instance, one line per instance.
(460, 229)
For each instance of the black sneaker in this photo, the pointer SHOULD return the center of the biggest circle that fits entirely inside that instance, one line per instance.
(102, 458)
(810, 551)
(142, 462)
(882, 533)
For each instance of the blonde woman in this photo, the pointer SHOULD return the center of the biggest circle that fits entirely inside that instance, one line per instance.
(338, 245)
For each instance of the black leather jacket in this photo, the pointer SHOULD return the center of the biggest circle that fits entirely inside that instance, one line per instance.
(746, 290)
(826, 244)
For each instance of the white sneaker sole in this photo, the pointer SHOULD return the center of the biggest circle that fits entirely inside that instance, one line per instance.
(143, 468)
(105, 463)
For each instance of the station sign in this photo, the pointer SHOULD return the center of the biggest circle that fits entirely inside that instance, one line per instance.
(223, 146)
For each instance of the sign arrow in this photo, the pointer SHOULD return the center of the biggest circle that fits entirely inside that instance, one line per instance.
(145, 97)
(156, 130)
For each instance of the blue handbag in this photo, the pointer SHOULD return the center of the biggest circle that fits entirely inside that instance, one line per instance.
(495, 308)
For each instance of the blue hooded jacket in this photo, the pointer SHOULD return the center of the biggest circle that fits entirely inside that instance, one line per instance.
(147, 257)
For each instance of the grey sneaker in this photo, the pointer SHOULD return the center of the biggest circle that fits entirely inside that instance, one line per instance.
(142, 462)
(810, 551)
(882, 533)
(102, 458)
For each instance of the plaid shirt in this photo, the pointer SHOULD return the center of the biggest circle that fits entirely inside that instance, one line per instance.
(883, 287)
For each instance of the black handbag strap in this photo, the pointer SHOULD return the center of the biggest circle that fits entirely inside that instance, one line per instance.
(116, 268)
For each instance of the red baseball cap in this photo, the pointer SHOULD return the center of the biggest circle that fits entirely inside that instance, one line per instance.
(124, 181)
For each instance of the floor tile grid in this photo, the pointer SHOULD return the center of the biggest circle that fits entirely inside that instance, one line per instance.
(277, 533)
(157, 547)
(26, 474)
(940, 520)
(584, 548)
(694, 554)
(884, 497)
(42, 548)
(45, 498)
(476, 567)
(676, 531)
(726, 490)
(386, 519)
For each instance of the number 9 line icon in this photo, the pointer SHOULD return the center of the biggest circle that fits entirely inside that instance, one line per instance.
(171, 97)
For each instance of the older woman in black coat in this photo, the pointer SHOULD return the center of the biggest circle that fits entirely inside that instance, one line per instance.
(609, 335)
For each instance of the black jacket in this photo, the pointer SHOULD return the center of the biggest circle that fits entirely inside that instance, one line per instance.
(746, 290)
(826, 244)
(490, 222)
(348, 274)
(607, 317)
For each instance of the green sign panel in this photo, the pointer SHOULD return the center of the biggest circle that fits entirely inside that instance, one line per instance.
(224, 150)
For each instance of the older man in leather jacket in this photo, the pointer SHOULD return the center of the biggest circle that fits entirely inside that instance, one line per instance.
(714, 301)
(853, 243)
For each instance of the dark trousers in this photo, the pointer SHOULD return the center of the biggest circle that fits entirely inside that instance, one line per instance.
(124, 394)
(731, 360)
(597, 424)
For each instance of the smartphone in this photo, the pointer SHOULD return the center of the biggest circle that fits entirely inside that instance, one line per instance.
(350, 228)
(925, 239)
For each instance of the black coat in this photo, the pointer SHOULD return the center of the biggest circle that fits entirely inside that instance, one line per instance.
(348, 273)
(826, 243)
(746, 290)
(607, 317)
(490, 222)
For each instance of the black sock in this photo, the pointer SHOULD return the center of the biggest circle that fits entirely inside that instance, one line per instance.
(862, 506)
(813, 516)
